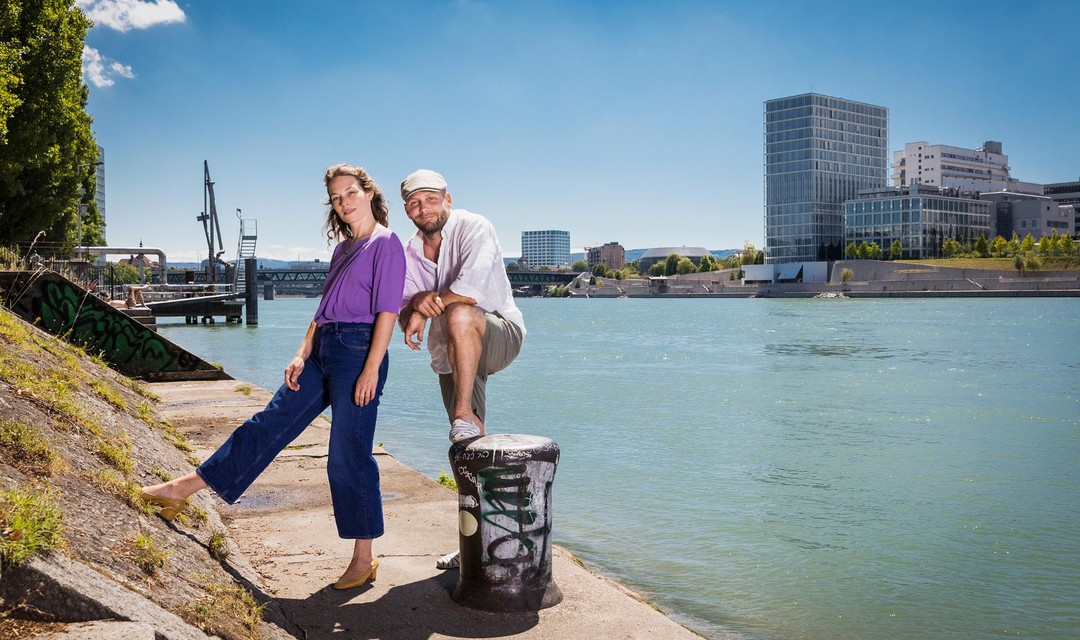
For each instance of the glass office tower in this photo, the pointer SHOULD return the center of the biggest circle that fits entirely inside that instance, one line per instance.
(819, 152)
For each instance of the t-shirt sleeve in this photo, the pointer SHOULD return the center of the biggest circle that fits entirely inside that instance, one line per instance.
(483, 261)
(389, 281)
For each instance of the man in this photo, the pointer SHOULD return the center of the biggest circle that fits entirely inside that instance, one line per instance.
(455, 277)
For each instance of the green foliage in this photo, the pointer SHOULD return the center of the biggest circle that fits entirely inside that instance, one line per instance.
(671, 264)
(982, 247)
(684, 266)
(951, 248)
(44, 127)
(218, 545)
(846, 274)
(707, 263)
(657, 269)
(852, 251)
(513, 266)
(579, 266)
(244, 389)
(1000, 247)
(225, 610)
(447, 481)
(896, 249)
(1028, 244)
(600, 270)
(149, 554)
(124, 273)
(28, 450)
(30, 525)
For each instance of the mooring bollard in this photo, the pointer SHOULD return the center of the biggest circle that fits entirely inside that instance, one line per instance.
(504, 522)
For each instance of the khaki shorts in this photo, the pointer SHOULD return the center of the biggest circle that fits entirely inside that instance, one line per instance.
(502, 343)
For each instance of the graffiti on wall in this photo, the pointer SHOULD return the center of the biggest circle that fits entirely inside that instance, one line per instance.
(66, 309)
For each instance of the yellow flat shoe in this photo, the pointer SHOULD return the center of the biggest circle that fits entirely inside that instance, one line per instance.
(352, 583)
(170, 507)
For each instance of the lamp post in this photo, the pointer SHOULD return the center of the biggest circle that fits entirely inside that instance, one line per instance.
(82, 205)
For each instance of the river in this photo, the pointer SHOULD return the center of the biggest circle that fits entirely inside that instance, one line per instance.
(781, 469)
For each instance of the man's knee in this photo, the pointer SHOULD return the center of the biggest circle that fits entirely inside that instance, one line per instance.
(462, 318)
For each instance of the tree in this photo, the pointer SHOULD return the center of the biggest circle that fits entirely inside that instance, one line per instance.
(657, 269)
(875, 251)
(600, 270)
(124, 273)
(1028, 244)
(896, 250)
(684, 266)
(579, 266)
(1067, 245)
(48, 149)
(513, 266)
(671, 265)
(1001, 246)
(951, 247)
(852, 250)
(863, 252)
(706, 263)
(982, 247)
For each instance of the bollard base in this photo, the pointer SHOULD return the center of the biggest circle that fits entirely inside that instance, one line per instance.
(505, 599)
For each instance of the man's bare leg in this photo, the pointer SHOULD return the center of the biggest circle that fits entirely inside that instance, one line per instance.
(465, 326)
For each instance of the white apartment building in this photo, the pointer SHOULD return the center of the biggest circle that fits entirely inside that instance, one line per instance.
(941, 165)
(547, 248)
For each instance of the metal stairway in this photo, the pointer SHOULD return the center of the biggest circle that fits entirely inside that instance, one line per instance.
(245, 246)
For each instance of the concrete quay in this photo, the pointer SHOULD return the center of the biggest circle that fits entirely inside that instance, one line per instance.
(285, 529)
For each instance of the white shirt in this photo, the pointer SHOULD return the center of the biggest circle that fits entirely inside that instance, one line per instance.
(471, 265)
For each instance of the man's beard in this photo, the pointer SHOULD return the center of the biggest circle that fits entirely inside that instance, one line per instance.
(435, 225)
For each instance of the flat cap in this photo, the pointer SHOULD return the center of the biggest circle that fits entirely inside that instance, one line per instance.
(422, 180)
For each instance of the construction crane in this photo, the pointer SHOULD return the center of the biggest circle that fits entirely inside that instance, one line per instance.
(211, 228)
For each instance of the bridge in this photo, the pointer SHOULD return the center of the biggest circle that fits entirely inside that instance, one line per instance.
(316, 277)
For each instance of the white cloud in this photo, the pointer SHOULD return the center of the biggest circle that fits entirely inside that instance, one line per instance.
(101, 71)
(125, 15)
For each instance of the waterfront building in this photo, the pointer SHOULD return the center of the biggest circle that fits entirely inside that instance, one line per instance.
(920, 216)
(1066, 193)
(1023, 213)
(659, 254)
(612, 255)
(942, 165)
(819, 152)
(548, 248)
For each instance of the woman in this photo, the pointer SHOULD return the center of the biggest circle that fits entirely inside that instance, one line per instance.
(341, 363)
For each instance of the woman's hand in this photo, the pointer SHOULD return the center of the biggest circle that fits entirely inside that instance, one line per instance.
(292, 373)
(366, 386)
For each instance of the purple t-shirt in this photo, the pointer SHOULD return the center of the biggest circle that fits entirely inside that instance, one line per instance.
(365, 278)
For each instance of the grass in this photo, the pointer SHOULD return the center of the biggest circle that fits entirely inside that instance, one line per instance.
(194, 516)
(218, 546)
(149, 554)
(244, 389)
(116, 452)
(109, 394)
(1049, 263)
(28, 450)
(160, 474)
(447, 481)
(146, 413)
(225, 610)
(30, 525)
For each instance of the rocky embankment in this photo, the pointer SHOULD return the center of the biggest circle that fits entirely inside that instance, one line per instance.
(80, 551)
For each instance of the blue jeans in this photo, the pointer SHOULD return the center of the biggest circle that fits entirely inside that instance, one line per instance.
(328, 380)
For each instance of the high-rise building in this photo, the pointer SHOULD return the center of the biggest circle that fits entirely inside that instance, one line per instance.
(548, 248)
(819, 152)
(941, 165)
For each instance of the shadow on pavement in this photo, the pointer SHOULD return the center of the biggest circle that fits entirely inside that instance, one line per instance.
(413, 611)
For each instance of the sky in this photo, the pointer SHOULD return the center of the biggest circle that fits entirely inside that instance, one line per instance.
(636, 122)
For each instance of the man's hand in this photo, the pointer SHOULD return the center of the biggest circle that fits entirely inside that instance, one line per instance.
(415, 326)
(428, 303)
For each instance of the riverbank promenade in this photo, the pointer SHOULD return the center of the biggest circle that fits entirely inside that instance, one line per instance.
(285, 528)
